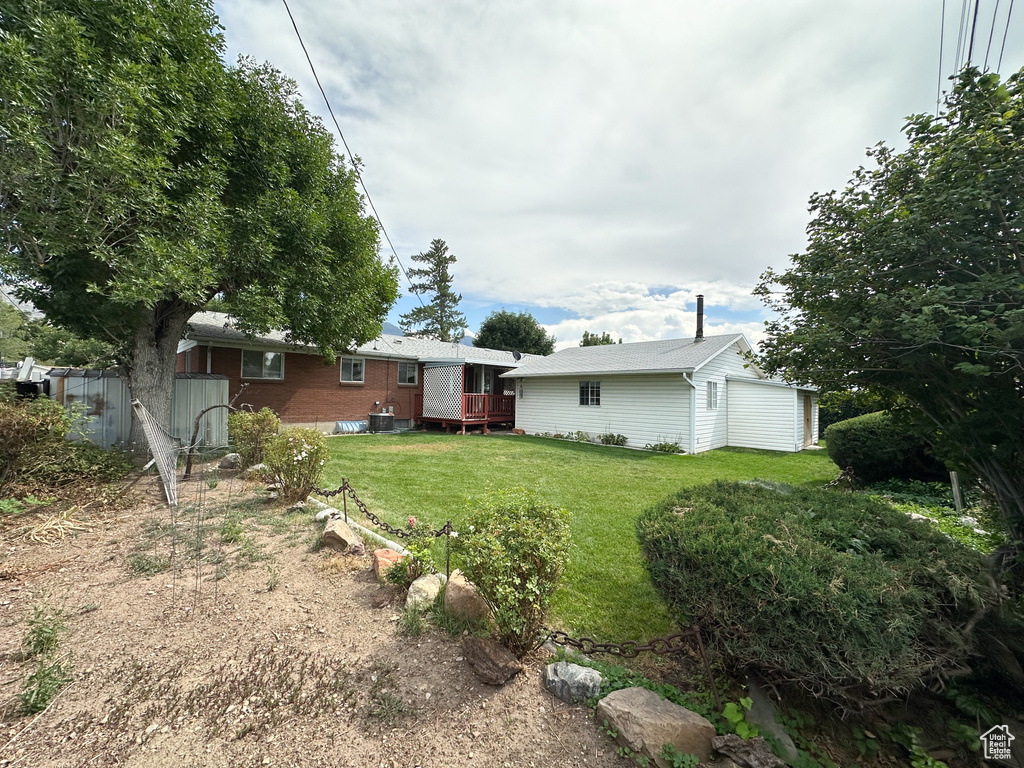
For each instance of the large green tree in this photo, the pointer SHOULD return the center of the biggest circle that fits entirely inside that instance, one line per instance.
(439, 319)
(514, 331)
(912, 285)
(597, 340)
(141, 177)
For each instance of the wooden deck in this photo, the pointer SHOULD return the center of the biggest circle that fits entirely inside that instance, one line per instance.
(476, 410)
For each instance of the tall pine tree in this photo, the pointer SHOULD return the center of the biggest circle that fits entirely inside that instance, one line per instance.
(440, 319)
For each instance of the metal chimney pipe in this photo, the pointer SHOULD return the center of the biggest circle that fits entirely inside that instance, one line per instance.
(700, 318)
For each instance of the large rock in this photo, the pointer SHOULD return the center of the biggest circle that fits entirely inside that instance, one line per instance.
(462, 600)
(492, 662)
(764, 714)
(257, 472)
(748, 753)
(337, 535)
(423, 592)
(231, 461)
(572, 683)
(382, 560)
(645, 722)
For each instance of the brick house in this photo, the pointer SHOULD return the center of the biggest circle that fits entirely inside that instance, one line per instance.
(419, 380)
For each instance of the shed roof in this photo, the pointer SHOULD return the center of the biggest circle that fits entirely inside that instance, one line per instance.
(219, 327)
(666, 356)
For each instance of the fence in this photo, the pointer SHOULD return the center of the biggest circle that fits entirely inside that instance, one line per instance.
(108, 405)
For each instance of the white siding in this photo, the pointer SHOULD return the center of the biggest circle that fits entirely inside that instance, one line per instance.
(763, 416)
(650, 408)
(713, 426)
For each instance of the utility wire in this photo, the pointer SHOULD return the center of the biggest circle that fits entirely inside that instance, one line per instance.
(355, 166)
(1003, 46)
(960, 37)
(974, 27)
(991, 32)
(942, 36)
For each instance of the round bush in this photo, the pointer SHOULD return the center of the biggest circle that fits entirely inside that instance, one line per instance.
(297, 457)
(877, 449)
(250, 432)
(514, 548)
(833, 591)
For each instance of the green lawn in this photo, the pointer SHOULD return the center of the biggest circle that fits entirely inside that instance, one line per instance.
(606, 592)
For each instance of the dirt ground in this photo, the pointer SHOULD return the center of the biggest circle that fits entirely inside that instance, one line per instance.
(223, 638)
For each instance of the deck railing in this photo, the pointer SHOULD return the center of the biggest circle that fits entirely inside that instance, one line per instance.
(474, 408)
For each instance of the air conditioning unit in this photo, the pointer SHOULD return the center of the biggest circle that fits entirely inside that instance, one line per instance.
(382, 422)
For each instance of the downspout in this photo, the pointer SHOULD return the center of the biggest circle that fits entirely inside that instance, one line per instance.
(688, 378)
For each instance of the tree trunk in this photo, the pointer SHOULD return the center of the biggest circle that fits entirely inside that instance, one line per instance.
(151, 367)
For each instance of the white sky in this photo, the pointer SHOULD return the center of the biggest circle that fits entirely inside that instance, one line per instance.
(600, 163)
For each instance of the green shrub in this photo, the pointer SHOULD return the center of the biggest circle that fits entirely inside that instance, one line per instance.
(514, 549)
(664, 447)
(611, 438)
(833, 591)
(878, 449)
(297, 457)
(250, 432)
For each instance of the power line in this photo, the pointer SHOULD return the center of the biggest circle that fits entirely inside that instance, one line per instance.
(355, 166)
(942, 36)
(1003, 46)
(991, 32)
(960, 36)
(974, 27)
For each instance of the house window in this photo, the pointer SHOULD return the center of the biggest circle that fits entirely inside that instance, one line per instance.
(590, 393)
(257, 364)
(407, 373)
(353, 369)
(712, 395)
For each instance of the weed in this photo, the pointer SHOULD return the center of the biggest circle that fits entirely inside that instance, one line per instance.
(664, 447)
(611, 438)
(43, 684)
(273, 578)
(253, 551)
(385, 703)
(45, 629)
(142, 564)
(231, 530)
(677, 759)
(736, 716)
(410, 623)
(444, 620)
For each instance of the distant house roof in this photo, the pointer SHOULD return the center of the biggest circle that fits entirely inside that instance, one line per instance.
(219, 327)
(668, 356)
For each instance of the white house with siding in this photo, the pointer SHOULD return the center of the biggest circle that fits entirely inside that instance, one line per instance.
(701, 393)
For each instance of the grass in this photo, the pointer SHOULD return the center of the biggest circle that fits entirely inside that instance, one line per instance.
(606, 592)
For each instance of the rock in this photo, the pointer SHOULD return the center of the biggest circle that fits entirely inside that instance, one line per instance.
(337, 535)
(918, 518)
(257, 472)
(231, 461)
(385, 596)
(492, 662)
(323, 514)
(572, 683)
(645, 722)
(382, 560)
(462, 600)
(749, 753)
(764, 714)
(423, 592)
(518, 431)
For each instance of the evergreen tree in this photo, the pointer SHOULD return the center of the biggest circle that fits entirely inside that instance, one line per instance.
(440, 319)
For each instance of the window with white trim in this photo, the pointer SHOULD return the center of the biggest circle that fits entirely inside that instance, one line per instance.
(353, 370)
(590, 393)
(257, 364)
(407, 372)
(712, 395)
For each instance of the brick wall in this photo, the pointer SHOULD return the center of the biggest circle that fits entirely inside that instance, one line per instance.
(310, 391)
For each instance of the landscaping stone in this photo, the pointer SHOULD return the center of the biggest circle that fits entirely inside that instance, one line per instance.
(337, 535)
(382, 560)
(462, 600)
(518, 431)
(492, 662)
(231, 461)
(764, 714)
(423, 592)
(323, 514)
(748, 753)
(645, 722)
(572, 683)
(257, 472)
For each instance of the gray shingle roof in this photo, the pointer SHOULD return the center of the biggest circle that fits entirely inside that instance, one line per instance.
(638, 357)
(218, 326)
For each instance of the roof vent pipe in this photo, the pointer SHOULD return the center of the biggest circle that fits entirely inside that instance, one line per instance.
(700, 318)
